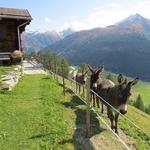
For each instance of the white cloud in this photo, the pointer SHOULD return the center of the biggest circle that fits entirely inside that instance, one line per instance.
(100, 16)
(114, 5)
(142, 8)
(47, 20)
(112, 13)
(97, 18)
(73, 17)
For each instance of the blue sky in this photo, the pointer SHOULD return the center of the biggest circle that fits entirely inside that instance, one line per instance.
(78, 14)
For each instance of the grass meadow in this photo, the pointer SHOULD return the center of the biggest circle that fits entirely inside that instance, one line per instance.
(36, 116)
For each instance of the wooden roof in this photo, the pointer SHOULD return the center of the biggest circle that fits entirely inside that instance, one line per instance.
(15, 13)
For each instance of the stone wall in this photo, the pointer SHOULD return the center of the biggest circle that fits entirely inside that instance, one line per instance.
(11, 78)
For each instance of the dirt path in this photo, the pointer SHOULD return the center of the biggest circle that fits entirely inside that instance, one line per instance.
(32, 68)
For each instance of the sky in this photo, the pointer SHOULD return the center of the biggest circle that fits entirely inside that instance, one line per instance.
(79, 15)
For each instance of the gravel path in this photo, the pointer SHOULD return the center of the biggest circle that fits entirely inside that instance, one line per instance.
(32, 68)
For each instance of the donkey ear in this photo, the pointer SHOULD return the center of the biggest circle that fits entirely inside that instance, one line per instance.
(90, 68)
(120, 78)
(101, 69)
(134, 81)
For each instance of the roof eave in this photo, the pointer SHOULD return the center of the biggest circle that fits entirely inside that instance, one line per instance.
(16, 17)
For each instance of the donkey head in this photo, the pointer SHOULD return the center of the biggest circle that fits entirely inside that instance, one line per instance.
(94, 76)
(81, 77)
(124, 92)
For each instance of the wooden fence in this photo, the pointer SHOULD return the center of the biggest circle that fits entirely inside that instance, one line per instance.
(85, 95)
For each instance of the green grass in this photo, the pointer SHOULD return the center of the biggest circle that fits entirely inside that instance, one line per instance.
(137, 137)
(142, 88)
(141, 119)
(4, 69)
(140, 140)
(32, 116)
(36, 116)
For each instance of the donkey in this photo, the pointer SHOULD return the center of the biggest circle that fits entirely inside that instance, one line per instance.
(80, 80)
(99, 85)
(118, 96)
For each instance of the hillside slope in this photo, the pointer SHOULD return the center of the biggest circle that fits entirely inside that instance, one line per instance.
(37, 116)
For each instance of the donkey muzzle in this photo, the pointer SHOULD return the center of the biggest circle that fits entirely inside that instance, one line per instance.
(123, 108)
(95, 85)
(123, 112)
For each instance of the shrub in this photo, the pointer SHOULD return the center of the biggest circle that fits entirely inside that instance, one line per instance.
(16, 54)
(147, 109)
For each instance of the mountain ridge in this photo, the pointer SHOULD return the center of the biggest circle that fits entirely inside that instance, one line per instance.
(35, 40)
(121, 49)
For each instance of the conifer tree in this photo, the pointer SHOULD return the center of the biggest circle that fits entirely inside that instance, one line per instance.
(139, 103)
(147, 109)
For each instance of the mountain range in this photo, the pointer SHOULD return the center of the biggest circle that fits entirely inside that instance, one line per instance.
(122, 48)
(35, 41)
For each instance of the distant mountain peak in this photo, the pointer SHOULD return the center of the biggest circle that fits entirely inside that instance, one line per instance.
(137, 15)
(135, 19)
(66, 32)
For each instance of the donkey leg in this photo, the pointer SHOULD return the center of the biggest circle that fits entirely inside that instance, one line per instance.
(102, 107)
(111, 117)
(76, 88)
(112, 122)
(93, 97)
(79, 89)
(83, 92)
(116, 122)
(97, 101)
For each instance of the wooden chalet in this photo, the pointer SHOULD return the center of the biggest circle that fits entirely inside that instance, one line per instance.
(12, 24)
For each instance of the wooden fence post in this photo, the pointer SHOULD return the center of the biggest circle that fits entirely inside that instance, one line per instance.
(21, 66)
(63, 78)
(53, 72)
(56, 74)
(88, 109)
(83, 91)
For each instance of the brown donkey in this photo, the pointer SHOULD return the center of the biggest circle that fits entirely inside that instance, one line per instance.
(118, 97)
(80, 79)
(99, 85)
